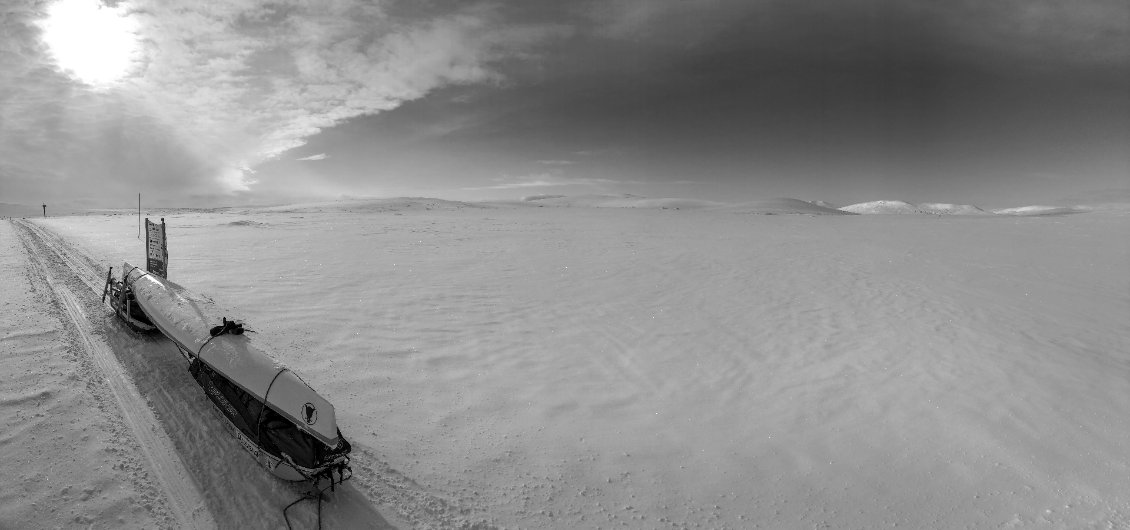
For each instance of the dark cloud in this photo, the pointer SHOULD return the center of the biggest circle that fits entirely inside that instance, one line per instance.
(914, 95)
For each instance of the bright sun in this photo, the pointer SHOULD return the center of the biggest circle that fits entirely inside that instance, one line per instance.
(93, 43)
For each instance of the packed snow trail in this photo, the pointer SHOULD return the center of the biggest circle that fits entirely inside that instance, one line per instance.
(62, 428)
(183, 497)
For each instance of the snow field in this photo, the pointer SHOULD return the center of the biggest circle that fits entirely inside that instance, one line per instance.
(583, 367)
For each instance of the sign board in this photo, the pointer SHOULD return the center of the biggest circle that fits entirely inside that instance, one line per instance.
(156, 249)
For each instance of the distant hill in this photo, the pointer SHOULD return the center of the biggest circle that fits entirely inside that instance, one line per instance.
(1039, 210)
(782, 206)
(778, 206)
(372, 205)
(941, 208)
(906, 208)
(616, 201)
(883, 207)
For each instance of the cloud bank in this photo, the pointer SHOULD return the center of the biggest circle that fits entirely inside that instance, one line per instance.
(220, 87)
(1042, 30)
(546, 180)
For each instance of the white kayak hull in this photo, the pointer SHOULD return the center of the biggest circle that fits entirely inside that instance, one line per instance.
(231, 369)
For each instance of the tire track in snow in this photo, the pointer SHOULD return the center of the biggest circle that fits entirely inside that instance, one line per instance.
(185, 500)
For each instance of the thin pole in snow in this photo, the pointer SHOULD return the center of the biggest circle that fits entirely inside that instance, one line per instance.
(139, 216)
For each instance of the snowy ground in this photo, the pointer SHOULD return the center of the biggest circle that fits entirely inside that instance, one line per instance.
(578, 367)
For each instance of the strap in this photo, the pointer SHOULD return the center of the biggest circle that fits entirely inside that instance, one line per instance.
(201, 348)
(267, 394)
(125, 278)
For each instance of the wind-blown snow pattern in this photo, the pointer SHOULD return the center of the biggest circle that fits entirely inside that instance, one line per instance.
(576, 367)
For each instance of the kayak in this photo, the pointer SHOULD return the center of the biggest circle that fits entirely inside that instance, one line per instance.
(287, 426)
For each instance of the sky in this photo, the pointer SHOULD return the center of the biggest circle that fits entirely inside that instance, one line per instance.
(994, 103)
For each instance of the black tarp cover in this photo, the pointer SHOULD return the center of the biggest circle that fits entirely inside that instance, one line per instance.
(273, 433)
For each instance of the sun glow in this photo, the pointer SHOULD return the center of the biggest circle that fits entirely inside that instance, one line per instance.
(91, 42)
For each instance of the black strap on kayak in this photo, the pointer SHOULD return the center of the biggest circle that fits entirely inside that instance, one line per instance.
(259, 422)
(125, 277)
(201, 348)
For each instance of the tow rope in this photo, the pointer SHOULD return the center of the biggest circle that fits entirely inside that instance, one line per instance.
(319, 494)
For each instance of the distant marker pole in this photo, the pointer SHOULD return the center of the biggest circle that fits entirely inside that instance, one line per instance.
(139, 216)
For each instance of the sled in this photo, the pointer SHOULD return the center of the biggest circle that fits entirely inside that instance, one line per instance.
(125, 304)
(284, 424)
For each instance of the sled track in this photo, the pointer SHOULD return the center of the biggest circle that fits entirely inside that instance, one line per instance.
(185, 500)
(82, 268)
